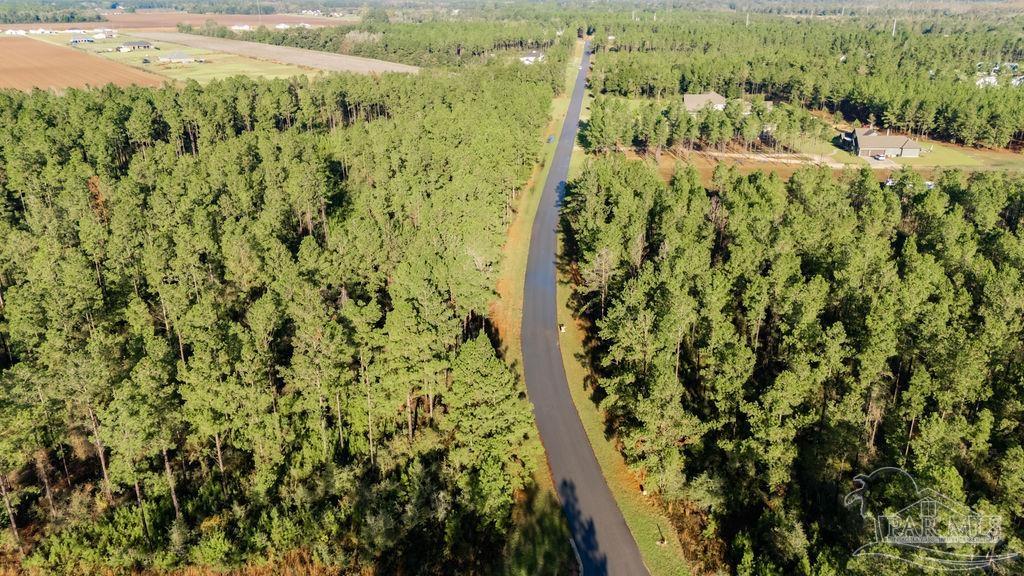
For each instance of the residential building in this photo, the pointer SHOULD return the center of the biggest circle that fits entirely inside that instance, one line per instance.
(134, 45)
(696, 102)
(531, 57)
(869, 142)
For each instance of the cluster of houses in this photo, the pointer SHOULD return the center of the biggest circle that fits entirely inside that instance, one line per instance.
(991, 77)
(93, 34)
(281, 26)
(865, 142)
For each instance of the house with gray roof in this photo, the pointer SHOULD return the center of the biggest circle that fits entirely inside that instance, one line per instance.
(696, 102)
(869, 142)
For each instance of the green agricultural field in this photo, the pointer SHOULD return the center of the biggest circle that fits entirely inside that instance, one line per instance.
(214, 65)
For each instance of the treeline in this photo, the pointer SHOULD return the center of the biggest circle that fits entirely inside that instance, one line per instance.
(761, 342)
(50, 13)
(246, 319)
(654, 126)
(432, 43)
(921, 81)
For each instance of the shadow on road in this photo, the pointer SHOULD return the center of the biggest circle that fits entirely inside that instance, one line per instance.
(585, 535)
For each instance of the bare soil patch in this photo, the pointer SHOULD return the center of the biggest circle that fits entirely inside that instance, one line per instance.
(27, 64)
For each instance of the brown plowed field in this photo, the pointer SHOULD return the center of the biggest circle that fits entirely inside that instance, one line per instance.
(27, 64)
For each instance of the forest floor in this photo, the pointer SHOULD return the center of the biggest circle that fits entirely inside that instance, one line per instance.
(538, 515)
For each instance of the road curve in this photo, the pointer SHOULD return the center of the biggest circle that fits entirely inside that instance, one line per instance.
(602, 539)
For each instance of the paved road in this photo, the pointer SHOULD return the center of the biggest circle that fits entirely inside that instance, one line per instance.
(602, 538)
(284, 54)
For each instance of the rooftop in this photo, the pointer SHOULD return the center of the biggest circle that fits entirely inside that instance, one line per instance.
(697, 102)
(871, 138)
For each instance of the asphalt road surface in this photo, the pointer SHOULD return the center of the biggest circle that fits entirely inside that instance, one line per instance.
(602, 539)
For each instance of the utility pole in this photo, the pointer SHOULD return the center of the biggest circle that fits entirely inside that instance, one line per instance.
(893, 26)
(748, 18)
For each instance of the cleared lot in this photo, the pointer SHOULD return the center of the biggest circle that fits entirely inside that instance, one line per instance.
(283, 54)
(27, 64)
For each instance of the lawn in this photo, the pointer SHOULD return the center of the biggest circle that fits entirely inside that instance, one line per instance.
(216, 65)
(819, 147)
(941, 156)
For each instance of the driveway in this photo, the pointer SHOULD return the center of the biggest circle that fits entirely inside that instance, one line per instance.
(602, 538)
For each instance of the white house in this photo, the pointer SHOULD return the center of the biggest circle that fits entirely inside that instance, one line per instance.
(241, 28)
(282, 26)
(984, 81)
(531, 57)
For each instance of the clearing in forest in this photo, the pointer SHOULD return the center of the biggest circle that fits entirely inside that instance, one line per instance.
(284, 54)
(27, 64)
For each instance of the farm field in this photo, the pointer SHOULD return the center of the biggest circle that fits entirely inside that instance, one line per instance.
(168, 20)
(26, 63)
(214, 65)
(283, 54)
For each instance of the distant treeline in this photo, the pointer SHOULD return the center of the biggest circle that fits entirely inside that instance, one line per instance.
(423, 44)
(27, 13)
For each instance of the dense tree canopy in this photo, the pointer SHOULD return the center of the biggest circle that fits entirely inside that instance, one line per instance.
(761, 342)
(246, 318)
